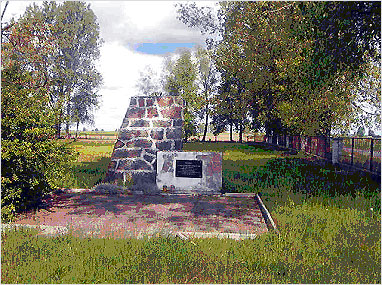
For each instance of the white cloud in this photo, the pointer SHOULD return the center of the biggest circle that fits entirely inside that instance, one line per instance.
(123, 24)
(130, 22)
(120, 70)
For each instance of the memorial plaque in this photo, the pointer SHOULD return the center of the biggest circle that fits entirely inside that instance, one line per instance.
(182, 172)
(188, 168)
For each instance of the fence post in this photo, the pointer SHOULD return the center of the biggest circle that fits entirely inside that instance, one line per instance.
(371, 154)
(326, 147)
(352, 150)
(337, 145)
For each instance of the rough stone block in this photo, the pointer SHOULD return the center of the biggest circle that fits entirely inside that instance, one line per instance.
(141, 102)
(113, 177)
(174, 133)
(150, 151)
(144, 182)
(133, 102)
(129, 153)
(119, 144)
(178, 144)
(140, 123)
(141, 165)
(133, 164)
(149, 158)
(135, 113)
(165, 101)
(161, 123)
(112, 165)
(141, 143)
(157, 134)
(172, 112)
(149, 102)
(177, 123)
(144, 177)
(131, 134)
(124, 164)
(152, 112)
(166, 145)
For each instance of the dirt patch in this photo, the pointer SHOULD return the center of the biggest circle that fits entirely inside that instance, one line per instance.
(123, 215)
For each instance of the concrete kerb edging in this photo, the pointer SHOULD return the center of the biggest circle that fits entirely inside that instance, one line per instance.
(49, 230)
(266, 215)
(53, 231)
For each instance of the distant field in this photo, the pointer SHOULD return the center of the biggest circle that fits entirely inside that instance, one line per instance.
(226, 137)
(112, 135)
(90, 135)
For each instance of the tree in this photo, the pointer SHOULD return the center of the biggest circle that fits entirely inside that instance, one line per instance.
(371, 133)
(208, 77)
(148, 82)
(74, 77)
(367, 103)
(181, 80)
(31, 160)
(361, 132)
(295, 60)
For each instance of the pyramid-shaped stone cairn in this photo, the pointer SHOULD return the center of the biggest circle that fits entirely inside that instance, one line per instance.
(151, 124)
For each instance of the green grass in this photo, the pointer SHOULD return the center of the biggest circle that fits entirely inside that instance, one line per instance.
(329, 222)
(91, 165)
(104, 133)
(312, 248)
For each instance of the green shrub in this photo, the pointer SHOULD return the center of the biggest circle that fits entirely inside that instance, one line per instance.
(31, 159)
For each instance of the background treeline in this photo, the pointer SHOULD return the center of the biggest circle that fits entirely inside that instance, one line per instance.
(309, 68)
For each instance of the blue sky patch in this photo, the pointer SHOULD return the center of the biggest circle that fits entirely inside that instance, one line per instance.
(161, 48)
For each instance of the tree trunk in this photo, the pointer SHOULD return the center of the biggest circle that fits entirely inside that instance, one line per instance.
(58, 130)
(67, 129)
(205, 126)
(327, 143)
(78, 123)
(240, 132)
(230, 132)
(58, 126)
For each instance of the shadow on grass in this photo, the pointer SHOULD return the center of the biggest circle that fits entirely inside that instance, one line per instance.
(300, 176)
(224, 146)
(86, 174)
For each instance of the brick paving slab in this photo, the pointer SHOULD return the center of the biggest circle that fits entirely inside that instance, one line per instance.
(125, 215)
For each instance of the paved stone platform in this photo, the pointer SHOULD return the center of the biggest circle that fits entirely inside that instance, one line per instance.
(122, 215)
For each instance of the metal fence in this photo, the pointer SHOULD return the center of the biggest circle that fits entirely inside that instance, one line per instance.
(362, 153)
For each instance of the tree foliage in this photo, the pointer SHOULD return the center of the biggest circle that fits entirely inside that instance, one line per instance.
(208, 79)
(181, 80)
(295, 62)
(74, 80)
(31, 160)
(148, 82)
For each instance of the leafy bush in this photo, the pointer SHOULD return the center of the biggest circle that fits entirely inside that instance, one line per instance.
(31, 159)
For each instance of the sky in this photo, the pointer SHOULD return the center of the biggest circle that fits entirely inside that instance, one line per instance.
(136, 35)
